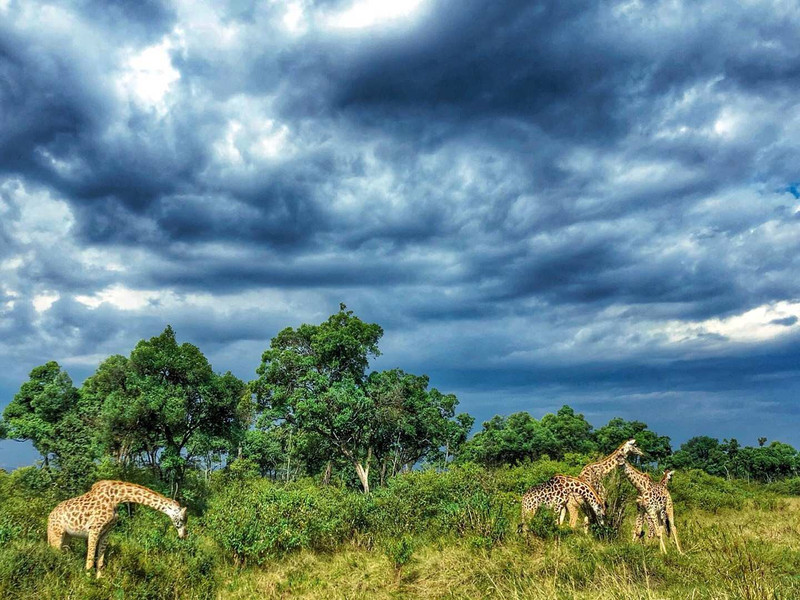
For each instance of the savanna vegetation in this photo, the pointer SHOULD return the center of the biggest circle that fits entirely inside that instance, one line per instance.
(323, 479)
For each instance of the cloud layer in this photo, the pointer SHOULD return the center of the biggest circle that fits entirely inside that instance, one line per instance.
(594, 203)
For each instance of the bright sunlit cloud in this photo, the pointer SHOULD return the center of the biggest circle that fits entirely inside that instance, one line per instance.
(44, 301)
(123, 298)
(367, 13)
(759, 324)
(148, 76)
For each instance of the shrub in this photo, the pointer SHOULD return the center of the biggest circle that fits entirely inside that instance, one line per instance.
(258, 519)
(697, 489)
(399, 551)
(543, 524)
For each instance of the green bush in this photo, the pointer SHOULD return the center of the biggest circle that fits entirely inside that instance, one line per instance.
(543, 524)
(698, 489)
(399, 551)
(257, 519)
(787, 487)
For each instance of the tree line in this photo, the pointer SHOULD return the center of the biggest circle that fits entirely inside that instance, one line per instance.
(315, 409)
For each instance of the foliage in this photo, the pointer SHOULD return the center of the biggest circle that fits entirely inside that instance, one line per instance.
(166, 404)
(314, 380)
(543, 524)
(256, 519)
(399, 551)
(510, 440)
(48, 411)
(609, 437)
(729, 459)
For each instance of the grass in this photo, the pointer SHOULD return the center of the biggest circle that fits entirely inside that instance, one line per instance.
(741, 541)
(751, 553)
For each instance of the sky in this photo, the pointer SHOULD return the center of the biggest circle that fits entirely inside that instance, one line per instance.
(542, 203)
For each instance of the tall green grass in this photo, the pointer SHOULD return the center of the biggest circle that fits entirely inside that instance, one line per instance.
(427, 534)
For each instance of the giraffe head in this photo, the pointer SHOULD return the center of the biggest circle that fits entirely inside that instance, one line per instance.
(630, 447)
(178, 516)
(665, 479)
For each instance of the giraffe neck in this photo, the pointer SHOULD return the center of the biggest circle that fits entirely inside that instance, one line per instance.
(609, 463)
(641, 481)
(137, 494)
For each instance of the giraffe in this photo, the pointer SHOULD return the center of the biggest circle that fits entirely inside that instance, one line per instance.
(654, 506)
(555, 493)
(595, 472)
(93, 514)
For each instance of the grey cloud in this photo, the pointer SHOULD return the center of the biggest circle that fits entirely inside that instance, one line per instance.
(488, 182)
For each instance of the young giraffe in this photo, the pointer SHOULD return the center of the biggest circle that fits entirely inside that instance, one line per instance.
(654, 506)
(595, 472)
(556, 492)
(93, 514)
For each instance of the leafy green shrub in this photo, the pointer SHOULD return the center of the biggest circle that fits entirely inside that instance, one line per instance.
(697, 489)
(521, 478)
(258, 519)
(482, 517)
(543, 524)
(787, 487)
(26, 567)
(173, 569)
(399, 551)
(420, 502)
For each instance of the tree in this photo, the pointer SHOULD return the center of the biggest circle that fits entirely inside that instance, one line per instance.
(656, 447)
(511, 440)
(167, 402)
(314, 377)
(572, 431)
(49, 412)
(701, 452)
(412, 423)
(39, 408)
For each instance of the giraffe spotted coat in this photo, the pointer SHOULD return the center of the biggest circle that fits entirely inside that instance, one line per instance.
(93, 514)
(556, 492)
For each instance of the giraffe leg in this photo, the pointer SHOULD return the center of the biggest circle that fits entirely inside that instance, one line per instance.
(572, 508)
(638, 527)
(659, 529)
(652, 525)
(102, 544)
(91, 549)
(56, 536)
(671, 521)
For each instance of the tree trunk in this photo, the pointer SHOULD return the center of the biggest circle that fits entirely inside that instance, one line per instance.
(327, 478)
(363, 475)
(383, 473)
(363, 471)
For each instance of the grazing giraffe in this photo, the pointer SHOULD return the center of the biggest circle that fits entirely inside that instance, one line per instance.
(93, 514)
(595, 472)
(556, 492)
(654, 506)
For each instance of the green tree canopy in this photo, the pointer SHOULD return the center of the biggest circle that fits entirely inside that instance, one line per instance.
(165, 401)
(38, 410)
(314, 377)
(412, 423)
(511, 440)
(656, 447)
(572, 431)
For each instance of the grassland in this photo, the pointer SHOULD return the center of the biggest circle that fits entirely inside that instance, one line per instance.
(740, 541)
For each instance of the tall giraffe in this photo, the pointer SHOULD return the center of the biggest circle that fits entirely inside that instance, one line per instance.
(93, 514)
(654, 505)
(556, 492)
(595, 472)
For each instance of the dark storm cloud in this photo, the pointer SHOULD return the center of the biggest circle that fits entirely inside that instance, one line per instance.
(545, 198)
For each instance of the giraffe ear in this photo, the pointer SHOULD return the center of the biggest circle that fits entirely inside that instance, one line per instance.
(183, 512)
